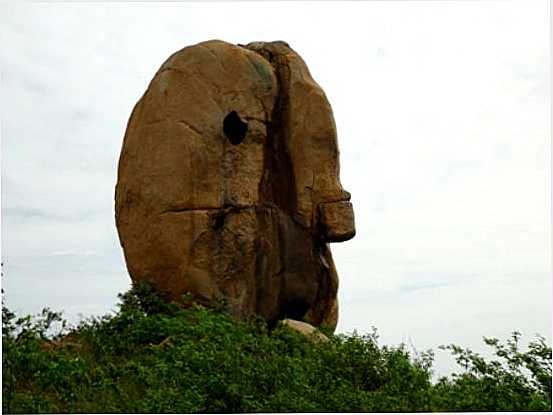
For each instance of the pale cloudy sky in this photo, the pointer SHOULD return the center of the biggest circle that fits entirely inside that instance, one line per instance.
(443, 117)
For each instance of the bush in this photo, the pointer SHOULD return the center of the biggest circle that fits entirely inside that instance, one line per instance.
(518, 382)
(152, 356)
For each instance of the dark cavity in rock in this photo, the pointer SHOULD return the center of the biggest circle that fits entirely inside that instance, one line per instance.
(234, 128)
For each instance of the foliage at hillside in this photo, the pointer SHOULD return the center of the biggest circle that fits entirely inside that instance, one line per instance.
(156, 357)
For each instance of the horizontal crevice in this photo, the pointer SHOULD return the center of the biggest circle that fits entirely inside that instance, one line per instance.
(227, 208)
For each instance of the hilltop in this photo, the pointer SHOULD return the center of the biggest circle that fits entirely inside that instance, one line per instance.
(151, 356)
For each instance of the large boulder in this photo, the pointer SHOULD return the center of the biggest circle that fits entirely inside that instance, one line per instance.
(228, 183)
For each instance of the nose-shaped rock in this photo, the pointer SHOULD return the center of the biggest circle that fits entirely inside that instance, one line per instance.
(336, 221)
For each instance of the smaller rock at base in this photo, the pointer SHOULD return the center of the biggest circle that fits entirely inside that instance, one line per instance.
(306, 329)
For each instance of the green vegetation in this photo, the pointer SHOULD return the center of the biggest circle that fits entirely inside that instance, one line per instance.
(156, 357)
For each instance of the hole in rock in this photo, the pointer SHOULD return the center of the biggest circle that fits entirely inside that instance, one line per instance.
(295, 309)
(234, 128)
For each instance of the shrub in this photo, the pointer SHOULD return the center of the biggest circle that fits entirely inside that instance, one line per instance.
(520, 381)
(152, 356)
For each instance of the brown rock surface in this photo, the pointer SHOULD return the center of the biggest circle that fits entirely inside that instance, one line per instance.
(306, 329)
(228, 183)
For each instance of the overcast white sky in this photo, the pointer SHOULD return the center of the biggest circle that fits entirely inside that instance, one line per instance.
(443, 117)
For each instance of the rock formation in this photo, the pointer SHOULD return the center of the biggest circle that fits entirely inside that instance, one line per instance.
(305, 329)
(228, 183)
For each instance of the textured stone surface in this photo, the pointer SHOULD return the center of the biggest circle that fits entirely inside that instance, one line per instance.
(228, 183)
(306, 329)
